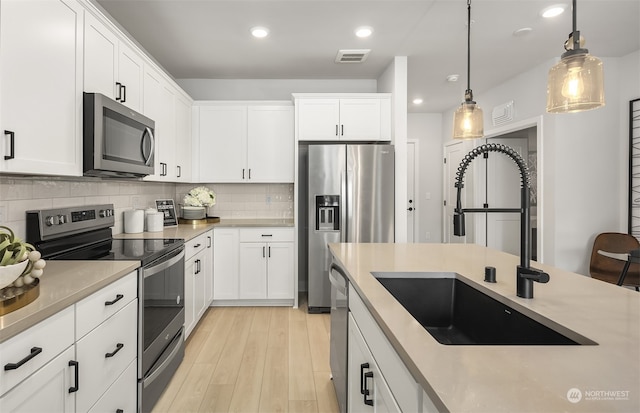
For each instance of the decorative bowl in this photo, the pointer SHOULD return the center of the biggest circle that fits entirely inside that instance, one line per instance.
(9, 273)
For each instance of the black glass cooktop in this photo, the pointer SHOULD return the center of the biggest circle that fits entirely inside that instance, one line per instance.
(100, 246)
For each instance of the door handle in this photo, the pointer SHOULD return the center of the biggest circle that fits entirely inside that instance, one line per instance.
(362, 383)
(119, 92)
(410, 209)
(13, 366)
(75, 365)
(115, 300)
(119, 347)
(12, 144)
(367, 392)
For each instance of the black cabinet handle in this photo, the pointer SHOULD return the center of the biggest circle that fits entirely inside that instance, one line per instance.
(179, 171)
(336, 130)
(112, 302)
(119, 411)
(362, 384)
(13, 366)
(197, 246)
(12, 141)
(124, 94)
(209, 244)
(341, 130)
(242, 173)
(269, 251)
(119, 91)
(75, 388)
(367, 392)
(267, 235)
(119, 347)
(263, 255)
(249, 173)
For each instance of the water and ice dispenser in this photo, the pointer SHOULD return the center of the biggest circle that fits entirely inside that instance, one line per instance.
(327, 212)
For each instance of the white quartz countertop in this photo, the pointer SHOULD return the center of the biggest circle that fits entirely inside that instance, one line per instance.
(63, 283)
(509, 378)
(189, 231)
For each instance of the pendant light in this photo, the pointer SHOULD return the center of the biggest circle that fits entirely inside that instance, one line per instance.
(576, 82)
(468, 120)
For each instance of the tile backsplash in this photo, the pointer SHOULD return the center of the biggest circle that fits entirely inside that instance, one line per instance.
(19, 194)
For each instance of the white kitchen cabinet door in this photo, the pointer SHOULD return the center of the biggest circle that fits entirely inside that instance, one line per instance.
(130, 75)
(152, 108)
(270, 143)
(253, 270)
(374, 395)
(199, 287)
(47, 390)
(222, 144)
(183, 139)
(41, 87)
(360, 119)
(100, 57)
(166, 133)
(318, 119)
(280, 272)
(121, 396)
(226, 244)
(110, 66)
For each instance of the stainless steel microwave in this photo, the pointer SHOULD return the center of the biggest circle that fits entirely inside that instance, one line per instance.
(117, 141)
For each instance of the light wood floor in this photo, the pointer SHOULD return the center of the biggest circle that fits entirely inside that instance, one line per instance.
(254, 359)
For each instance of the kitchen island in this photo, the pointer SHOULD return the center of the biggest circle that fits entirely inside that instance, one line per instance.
(510, 378)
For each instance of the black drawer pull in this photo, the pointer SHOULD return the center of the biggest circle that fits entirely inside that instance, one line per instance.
(112, 302)
(119, 411)
(75, 388)
(367, 392)
(34, 352)
(362, 367)
(267, 235)
(12, 141)
(197, 246)
(119, 347)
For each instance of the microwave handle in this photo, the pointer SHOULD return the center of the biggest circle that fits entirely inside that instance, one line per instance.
(153, 144)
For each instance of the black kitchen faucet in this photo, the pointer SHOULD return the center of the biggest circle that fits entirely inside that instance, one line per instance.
(525, 274)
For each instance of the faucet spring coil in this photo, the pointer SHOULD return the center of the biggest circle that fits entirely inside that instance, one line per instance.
(493, 147)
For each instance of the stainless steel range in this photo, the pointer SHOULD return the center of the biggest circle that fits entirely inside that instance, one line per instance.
(84, 233)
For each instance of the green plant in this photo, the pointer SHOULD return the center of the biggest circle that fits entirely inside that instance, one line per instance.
(12, 249)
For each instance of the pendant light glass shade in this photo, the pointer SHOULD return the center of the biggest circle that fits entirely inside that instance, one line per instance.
(576, 83)
(468, 121)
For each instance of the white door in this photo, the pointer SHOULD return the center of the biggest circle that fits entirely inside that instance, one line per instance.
(280, 270)
(411, 192)
(270, 143)
(130, 74)
(225, 266)
(454, 154)
(100, 56)
(360, 119)
(223, 139)
(253, 270)
(503, 191)
(318, 119)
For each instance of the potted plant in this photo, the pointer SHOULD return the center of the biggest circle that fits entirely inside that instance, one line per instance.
(197, 201)
(20, 263)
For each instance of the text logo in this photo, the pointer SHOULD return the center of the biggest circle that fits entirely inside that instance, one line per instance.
(574, 395)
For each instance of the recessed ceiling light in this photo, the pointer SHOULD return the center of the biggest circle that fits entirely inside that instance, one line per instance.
(259, 31)
(453, 78)
(553, 11)
(417, 101)
(364, 31)
(522, 32)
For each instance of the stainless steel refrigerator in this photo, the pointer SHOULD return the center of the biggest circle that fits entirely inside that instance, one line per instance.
(349, 197)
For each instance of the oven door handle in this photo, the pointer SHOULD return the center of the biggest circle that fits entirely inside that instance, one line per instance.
(171, 259)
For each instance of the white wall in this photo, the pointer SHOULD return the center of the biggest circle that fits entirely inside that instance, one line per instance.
(426, 128)
(583, 158)
(394, 81)
(270, 89)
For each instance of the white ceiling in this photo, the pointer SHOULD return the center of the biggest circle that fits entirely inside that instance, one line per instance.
(210, 39)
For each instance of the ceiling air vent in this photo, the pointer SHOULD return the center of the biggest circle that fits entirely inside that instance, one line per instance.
(502, 114)
(352, 56)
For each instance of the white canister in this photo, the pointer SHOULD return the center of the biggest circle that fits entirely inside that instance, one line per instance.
(146, 213)
(133, 221)
(155, 221)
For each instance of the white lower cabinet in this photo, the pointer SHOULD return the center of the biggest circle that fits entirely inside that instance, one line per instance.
(198, 279)
(45, 390)
(390, 384)
(73, 359)
(253, 266)
(367, 389)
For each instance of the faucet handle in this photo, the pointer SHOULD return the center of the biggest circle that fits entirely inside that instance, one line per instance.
(533, 274)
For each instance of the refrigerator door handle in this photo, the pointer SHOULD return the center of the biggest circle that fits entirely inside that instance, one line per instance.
(344, 220)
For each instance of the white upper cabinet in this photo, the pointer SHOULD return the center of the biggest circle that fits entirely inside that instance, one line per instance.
(110, 66)
(243, 143)
(326, 117)
(41, 87)
(183, 139)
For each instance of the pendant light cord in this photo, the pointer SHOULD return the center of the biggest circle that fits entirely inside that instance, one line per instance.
(468, 96)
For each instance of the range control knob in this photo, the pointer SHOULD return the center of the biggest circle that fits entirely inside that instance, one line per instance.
(102, 213)
(62, 219)
(109, 212)
(49, 221)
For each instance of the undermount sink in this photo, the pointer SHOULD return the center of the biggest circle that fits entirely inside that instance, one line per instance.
(455, 313)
